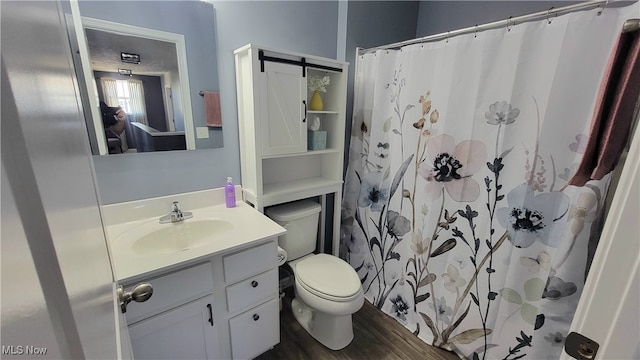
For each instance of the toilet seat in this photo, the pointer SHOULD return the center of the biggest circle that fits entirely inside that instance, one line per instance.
(328, 277)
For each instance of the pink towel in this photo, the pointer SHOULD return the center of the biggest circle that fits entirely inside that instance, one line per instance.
(613, 115)
(212, 108)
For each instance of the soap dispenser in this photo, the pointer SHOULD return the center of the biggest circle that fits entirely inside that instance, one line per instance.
(230, 193)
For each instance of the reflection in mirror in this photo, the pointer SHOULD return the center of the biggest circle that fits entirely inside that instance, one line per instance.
(139, 76)
(138, 94)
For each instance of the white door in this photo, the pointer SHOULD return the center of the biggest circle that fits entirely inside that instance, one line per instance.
(609, 308)
(57, 282)
(283, 104)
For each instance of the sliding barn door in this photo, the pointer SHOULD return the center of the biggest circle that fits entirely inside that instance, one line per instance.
(283, 101)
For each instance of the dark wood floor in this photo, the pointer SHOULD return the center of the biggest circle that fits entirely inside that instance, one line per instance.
(376, 336)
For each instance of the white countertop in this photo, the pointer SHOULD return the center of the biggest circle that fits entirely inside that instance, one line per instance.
(249, 226)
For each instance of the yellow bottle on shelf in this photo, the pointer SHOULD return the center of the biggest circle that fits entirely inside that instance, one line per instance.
(316, 101)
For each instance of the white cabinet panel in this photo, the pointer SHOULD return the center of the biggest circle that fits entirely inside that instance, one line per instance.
(255, 331)
(172, 290)
(185, 332)
(283, 95)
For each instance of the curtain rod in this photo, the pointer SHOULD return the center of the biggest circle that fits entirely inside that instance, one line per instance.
(630, 25)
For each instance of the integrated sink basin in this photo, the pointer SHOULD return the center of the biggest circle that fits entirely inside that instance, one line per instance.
(155, 238)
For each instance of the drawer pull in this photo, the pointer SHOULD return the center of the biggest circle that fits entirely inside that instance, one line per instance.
(256, 317)
(254, 283)
(210, 314)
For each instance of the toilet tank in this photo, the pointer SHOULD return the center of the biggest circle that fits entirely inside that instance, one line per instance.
(300, 218)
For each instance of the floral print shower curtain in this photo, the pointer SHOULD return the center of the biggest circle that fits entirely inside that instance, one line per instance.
(457, 215)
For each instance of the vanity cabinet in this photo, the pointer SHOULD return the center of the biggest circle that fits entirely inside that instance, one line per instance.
(177, 321)
(185, 332)
(274, 115)
(224, 307)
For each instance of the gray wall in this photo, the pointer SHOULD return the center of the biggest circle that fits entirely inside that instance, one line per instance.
(441, 16)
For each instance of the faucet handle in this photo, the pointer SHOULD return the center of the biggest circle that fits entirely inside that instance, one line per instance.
(175, 206)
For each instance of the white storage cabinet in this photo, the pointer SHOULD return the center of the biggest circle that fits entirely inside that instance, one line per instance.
(274, 114)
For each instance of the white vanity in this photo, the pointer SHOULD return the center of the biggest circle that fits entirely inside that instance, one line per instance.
(214, 277)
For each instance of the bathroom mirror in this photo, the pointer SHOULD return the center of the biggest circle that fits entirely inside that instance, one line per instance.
(155, 61)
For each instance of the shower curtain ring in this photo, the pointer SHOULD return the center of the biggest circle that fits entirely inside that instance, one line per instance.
(447, 41)
(548, 13)
(601, 7)
(475, 32)
(509, 23)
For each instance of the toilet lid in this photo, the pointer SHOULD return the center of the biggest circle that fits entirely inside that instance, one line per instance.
(328, 275)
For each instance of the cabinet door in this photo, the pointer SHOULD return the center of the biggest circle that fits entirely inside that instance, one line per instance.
(182, 333)
(283, 109)
(255, 331)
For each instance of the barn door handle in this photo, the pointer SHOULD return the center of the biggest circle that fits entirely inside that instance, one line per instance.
(305, 111)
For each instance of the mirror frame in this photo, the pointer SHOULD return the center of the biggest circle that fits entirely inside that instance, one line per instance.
(80, 23)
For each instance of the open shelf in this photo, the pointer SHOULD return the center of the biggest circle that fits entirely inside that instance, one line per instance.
(298, 189)
(307, 153)
(322, 112)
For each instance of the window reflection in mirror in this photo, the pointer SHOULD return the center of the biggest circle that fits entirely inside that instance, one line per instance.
(146, 73)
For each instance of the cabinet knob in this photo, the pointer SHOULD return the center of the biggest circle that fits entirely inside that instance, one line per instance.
(256, 317)
(254, 283)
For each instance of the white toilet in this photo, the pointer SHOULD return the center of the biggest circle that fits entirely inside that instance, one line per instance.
(327, 289)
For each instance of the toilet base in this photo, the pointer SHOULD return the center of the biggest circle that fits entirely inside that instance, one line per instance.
(332, 331)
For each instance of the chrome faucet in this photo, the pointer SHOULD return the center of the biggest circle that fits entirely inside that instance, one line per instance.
(176, 215)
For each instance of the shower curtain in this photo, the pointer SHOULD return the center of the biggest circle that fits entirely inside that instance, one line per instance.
(457, 215)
